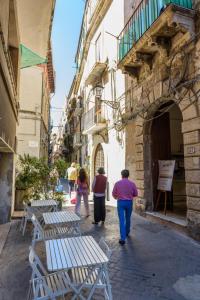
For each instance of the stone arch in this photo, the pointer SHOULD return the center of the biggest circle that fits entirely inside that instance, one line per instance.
(191, 139)
(97, 139)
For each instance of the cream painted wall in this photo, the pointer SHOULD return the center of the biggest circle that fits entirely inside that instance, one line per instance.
(114, 152)
(28, 131)
(31, 88)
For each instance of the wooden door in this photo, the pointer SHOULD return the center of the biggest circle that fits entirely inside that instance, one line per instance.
(161, 146)
(98, 159)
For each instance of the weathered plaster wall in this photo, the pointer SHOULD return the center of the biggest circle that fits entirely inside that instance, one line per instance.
(6, 186)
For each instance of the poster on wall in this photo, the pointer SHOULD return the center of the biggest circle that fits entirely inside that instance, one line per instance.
(166, 173)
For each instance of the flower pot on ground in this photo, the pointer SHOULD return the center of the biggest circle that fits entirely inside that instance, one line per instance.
(31, 179)
(20, 196)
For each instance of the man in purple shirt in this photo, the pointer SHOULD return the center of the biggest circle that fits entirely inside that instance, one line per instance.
(124, 191)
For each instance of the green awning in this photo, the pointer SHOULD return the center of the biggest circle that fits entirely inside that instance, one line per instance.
(30, 58)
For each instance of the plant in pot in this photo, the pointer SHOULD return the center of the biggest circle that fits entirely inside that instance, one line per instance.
(25, 178)
(31, 179)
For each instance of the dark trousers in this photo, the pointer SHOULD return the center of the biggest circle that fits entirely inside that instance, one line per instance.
(71, 186)
(99, 209)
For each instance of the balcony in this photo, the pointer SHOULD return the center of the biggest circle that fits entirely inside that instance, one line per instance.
(94, 121)
(88, 29)
(96, 72)
(79, 107)
(77, 140)
(152, 27)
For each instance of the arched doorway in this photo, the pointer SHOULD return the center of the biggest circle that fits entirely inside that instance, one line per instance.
(167, 144)
(98, 158)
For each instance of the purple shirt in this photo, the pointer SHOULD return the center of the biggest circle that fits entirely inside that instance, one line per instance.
(124, 189)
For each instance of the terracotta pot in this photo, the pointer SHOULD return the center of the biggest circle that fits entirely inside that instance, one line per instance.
(19, 198)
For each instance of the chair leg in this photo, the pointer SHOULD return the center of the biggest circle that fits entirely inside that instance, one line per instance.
(22, 224)
(108, 285)
(29, 294)
(24, 227)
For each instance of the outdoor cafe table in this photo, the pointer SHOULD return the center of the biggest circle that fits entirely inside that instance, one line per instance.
(63, 218)
(44, 204)
(79, 253)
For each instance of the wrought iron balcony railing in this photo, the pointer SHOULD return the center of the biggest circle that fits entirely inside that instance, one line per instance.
(77, 140)
(94, 121)
(143, 17)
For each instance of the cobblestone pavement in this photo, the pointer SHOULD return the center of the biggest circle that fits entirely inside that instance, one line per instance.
(157, 263)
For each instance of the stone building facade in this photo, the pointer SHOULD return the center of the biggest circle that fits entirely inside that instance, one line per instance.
(162, 65)
(97, 84)
(154, 113)
(36, 80)
(9, 92)
(25, 22)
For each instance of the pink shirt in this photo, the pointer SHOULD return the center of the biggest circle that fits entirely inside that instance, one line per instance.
(124, 189)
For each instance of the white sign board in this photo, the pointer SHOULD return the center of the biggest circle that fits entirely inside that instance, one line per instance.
(33, 144)
(166, 172)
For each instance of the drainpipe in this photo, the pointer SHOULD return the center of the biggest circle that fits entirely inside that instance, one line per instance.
(80, 156)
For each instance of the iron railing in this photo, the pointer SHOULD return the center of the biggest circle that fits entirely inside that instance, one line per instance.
(93, 117)
(77, 139)
(141, 20)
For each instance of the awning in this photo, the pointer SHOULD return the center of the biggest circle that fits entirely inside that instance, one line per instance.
(30, 58)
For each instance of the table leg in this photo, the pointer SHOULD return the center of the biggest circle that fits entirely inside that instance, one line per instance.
(108, 285)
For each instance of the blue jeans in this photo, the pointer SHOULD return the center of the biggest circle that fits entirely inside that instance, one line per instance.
(124, 208)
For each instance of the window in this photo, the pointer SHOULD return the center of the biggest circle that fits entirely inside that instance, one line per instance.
(98, 158)
(98, 49)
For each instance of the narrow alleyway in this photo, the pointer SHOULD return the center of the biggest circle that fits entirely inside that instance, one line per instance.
(156, 263)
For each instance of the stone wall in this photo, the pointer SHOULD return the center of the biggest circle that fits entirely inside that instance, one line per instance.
(151, 91)
(6, 186)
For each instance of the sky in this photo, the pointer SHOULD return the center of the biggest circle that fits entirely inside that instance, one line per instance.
(65, 35)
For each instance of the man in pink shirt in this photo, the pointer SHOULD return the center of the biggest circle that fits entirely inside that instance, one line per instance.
(124, 191)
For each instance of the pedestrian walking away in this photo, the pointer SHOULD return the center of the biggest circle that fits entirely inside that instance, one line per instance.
(124, 191)
(99, 189)
(72, 177)
(82, 191)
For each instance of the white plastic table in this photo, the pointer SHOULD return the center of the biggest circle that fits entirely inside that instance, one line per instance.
(79, 255)
(41, 203)
(69, 219)
(44, 204)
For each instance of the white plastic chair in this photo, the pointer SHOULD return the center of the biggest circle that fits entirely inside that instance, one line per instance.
(41, 234)
(44, 285)
(27, 217)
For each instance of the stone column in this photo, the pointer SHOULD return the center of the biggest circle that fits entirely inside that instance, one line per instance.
(192, 174)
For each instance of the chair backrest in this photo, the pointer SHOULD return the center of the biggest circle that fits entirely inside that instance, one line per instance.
(38, 272)
(37, 226)
(36, 264)
(104, 246)
(29, 211)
